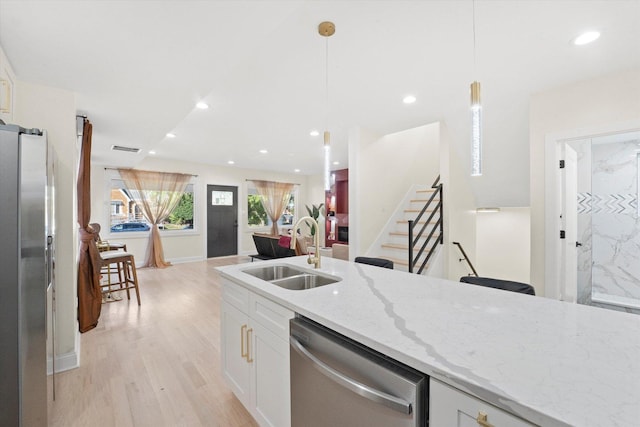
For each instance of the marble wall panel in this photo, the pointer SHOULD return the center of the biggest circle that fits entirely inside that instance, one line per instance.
(615, 224)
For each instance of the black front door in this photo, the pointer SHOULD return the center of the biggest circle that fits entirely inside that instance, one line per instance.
(222, 220)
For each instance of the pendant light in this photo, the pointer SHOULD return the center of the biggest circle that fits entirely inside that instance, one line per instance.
(327, 29)
(476, 113)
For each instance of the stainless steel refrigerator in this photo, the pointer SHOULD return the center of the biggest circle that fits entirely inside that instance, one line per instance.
(25, 276)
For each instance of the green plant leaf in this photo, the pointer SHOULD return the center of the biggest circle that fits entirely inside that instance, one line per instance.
(314, 212)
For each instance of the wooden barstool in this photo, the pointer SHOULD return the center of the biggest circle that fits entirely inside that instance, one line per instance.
(104, 245)
(125, 266)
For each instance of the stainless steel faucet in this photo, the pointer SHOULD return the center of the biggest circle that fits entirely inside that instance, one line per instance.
(315, 260)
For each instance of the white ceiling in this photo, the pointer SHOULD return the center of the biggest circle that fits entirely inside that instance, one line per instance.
(139, 67)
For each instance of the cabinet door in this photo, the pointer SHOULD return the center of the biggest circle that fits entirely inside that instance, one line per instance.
(234, 325)
(449, 407)
(271, 386)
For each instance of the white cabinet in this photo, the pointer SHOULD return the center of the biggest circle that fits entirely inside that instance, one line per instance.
(449, 407)
(7, 86)
(255, 354)
(235, 366)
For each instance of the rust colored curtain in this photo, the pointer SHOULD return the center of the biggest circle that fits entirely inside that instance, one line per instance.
(157, 194)
(274, 197)
(89, 261)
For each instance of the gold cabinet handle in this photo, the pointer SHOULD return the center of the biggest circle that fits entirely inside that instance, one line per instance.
(482, 420)
(249, 333)
(243, 354)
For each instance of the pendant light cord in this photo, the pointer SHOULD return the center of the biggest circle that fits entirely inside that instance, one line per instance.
(473, 2)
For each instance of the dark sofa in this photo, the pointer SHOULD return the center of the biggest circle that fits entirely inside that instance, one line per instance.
(268, 247)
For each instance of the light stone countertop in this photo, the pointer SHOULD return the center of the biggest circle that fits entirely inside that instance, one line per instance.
(549, 362)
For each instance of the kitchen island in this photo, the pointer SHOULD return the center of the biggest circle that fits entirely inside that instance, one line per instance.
(547, 362)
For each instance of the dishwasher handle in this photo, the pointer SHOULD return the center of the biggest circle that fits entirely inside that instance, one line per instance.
(390, 401)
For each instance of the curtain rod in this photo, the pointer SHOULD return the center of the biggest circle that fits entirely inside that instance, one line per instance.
(115, 169)
(293, 183)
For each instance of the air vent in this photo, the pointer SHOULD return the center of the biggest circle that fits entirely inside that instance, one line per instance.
(127, 149)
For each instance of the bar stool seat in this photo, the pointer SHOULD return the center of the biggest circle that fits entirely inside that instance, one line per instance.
(106, 245)
(378, 262)
(506, 285)
(125, 266)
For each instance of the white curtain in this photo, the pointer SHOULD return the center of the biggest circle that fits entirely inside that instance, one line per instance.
(274, 197)
(157, 194)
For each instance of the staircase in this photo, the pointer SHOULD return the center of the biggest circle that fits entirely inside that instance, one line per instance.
(394, 244)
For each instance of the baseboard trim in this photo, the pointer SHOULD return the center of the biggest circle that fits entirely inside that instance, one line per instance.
(185, 259)
(64, 362)
(618, 301)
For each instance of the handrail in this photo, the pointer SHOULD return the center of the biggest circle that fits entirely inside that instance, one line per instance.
(465, 258)
(438, 226)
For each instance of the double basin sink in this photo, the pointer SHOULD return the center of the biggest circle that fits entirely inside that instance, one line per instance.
(289, 277)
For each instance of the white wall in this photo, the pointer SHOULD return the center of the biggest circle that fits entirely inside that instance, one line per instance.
(458, 209)
(54, 110)
(190, 247)
(503, 244)
(386, 167)
(605, 101)
(7, 76)
(358, 138)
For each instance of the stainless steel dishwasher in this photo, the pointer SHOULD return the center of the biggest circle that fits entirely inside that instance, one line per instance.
(338, 382)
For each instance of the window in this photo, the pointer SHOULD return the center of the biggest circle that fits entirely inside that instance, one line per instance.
(256, 215)
(222, 198)
(126, 215)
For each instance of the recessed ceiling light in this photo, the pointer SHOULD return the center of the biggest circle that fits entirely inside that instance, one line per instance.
(171, 135)
(231, 162)
(152, 152)
(296, 170)
(314, 133)
(202, 105)
(409, 99)
(586, 38)
(336, 163)
(263, 151)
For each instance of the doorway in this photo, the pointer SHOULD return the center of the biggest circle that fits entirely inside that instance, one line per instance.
(600, 214)
(222, 220)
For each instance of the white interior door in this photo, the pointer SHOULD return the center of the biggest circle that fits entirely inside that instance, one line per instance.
(569, 262)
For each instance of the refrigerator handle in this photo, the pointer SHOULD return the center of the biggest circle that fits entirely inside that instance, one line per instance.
(49, 260)
(378, 396)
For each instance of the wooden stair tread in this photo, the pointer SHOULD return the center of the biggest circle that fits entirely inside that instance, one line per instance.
(423, 200)
(406, 221)
(398, 246)
(395, 246)
(405, 234)
(397, 261)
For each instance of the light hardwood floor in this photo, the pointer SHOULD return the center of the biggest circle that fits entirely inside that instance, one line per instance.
(157, 364)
